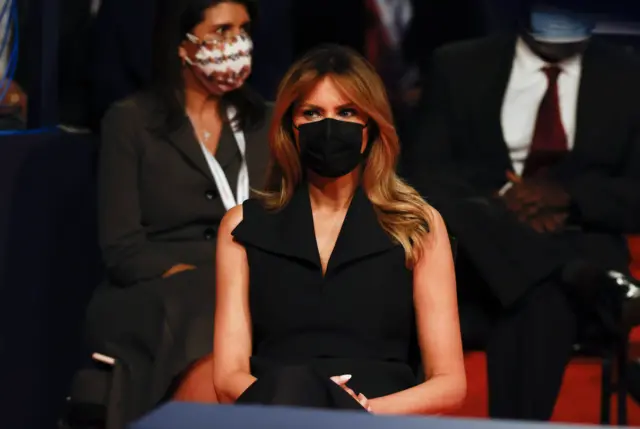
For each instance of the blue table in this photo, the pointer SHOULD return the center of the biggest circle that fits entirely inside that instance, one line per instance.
(198, 416)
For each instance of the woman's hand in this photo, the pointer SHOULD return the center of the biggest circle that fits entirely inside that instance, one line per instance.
(178, 268)
(341, 380)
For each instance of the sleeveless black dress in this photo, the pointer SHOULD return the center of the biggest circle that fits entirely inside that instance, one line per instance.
(357, 319)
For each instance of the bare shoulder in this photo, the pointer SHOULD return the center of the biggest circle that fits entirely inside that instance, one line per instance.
(436, 251)
(438, 233)
(231, 220)
(437, 224)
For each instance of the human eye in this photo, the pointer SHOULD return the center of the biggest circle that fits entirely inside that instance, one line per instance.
(223, 30)
(311, 114)
(348, 112)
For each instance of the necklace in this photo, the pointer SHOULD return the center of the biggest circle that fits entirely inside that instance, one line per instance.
(206, 135)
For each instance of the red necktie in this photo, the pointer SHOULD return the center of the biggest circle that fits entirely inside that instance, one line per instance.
(549, 143)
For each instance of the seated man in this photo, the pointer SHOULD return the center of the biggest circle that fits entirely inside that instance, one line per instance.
(529, 145)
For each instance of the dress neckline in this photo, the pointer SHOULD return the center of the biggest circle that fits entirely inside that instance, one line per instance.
(290, 230)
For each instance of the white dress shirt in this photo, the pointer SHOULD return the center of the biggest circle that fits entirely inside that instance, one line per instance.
(527, 85)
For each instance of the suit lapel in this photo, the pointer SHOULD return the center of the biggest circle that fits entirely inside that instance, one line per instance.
(591, 113)
(184, 140)
(494, 80)
(592, 100)
(227, 149)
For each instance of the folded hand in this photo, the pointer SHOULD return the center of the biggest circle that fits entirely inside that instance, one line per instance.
(540, 203)
(547, 221)
(341, 380)
(536, 193)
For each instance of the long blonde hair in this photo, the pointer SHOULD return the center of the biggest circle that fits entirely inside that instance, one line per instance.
(401, 211)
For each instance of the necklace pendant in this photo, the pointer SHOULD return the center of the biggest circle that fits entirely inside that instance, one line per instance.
(206, 135)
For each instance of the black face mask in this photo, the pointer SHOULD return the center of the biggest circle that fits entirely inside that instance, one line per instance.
(331, 148)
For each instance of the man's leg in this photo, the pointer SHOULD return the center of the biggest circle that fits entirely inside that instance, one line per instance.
(527, 353)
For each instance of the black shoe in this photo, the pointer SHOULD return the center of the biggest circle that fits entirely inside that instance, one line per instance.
(588, 281)
(630, 289)
(614, 296)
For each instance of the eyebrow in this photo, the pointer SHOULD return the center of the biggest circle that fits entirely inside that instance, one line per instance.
(313, 106)
(229, 24)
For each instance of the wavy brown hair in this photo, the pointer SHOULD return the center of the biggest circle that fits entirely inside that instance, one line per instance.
(401, 211)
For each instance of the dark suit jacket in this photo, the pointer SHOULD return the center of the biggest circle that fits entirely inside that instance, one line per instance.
(457, 158)
(158, 203)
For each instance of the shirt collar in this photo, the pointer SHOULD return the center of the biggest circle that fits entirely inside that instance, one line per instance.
(528, 62)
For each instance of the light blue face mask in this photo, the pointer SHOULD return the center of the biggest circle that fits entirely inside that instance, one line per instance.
(554, 26)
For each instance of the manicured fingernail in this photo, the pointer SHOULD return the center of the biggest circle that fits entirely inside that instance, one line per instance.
(341, 379)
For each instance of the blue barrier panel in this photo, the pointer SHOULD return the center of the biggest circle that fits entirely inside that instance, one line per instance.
(178, 415)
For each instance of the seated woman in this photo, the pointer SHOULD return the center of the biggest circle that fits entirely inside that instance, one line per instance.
(333, 283)
(173, 160)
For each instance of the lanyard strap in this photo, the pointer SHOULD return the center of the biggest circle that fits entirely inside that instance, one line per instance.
(224, 189)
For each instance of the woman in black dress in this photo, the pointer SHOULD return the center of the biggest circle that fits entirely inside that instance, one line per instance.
(173, 160)
(338, 281)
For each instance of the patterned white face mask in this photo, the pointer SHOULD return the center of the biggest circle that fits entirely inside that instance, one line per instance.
(222, 65)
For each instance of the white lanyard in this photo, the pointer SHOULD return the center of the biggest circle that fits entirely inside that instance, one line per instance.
(224, 189)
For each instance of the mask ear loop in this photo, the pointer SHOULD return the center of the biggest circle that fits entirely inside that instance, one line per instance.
(193, 39)
(196, 41)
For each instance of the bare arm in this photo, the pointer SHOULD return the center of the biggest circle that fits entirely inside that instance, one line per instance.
(436, 306)
(232, 328)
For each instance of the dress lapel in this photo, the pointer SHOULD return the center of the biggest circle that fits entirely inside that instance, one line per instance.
(290, 231)
(361, 234)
